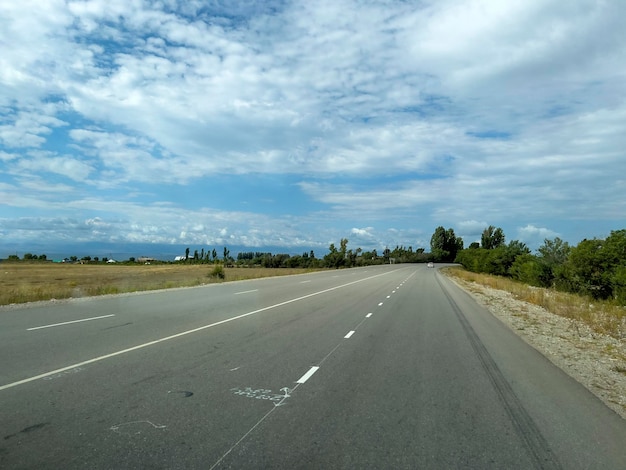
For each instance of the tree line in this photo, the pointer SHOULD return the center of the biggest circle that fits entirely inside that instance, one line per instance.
(596, 267)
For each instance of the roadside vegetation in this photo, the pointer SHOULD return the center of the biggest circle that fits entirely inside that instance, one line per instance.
(586, 282)
(604, 317)
(29, 282)
(594, 270)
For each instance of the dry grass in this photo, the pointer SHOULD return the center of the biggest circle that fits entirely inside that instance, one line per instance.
(603, 317)
(22, 282)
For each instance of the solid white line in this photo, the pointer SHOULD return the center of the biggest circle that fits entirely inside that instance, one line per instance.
(308, 375)
(184, 333)
(368, 315)
(349, 334)
(246, 291)
(68, 322)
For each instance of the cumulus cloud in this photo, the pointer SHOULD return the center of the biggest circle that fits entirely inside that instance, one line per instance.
(530, 231)
(363, 232)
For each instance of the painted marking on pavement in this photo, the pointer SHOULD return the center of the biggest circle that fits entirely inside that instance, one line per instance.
(349, 334)
(263, 394)
(308, 375)
(185, 333)
(64, 374)
(304, 282)
(247, 291)
(380, 304)
(68, 322)
(368, 315)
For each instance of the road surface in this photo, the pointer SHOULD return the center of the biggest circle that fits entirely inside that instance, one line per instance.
(378, 367)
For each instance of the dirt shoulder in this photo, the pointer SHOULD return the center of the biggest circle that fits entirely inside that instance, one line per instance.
(596, 361)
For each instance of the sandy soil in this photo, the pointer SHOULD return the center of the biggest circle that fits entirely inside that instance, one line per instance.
(596, 361)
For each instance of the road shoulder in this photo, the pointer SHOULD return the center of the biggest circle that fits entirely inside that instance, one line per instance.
(596, 361)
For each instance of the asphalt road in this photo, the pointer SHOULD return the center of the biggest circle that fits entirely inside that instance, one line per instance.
(380, 367)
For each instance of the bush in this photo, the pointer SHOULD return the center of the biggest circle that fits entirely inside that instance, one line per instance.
(218, 272)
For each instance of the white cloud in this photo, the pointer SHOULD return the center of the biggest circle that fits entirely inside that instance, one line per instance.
(471, 227)
(66, 166)
(395, 113)
(530, 231)
(363, 232)
(29, 128)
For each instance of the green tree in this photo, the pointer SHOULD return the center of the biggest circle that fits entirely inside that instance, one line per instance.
(337, 258)
(552, 255)
(586, 271)
(598, 267)
(615, 254)
(492, 237)
(444, 244)
(554, 252)
(528, 269)
(186, 253)
(334, 259)
(226, 255)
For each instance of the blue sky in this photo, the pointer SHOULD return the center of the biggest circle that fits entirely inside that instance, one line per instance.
(292, 124)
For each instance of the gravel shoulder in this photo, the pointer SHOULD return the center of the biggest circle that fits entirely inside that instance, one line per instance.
(596, 361)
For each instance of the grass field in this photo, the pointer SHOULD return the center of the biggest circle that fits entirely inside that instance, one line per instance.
(23, 282)
(604, 317)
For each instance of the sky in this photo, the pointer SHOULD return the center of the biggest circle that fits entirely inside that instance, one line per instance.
(293, 124)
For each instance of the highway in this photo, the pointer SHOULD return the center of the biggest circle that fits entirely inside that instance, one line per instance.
(379, 367)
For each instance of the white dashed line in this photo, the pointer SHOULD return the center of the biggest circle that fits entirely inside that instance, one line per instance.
(349, 334)
(246, 292)
(68, 322)
(368, 315)
(308, 375)
(380, 304)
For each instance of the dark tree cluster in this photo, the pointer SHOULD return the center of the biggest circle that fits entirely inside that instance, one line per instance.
(596, 267)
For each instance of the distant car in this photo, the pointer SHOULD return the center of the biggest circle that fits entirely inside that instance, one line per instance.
(431, 264)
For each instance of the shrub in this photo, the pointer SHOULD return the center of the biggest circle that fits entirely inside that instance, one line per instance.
(218, 272)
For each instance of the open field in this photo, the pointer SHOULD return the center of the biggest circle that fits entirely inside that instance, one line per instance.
(602, 316)
(23, 282)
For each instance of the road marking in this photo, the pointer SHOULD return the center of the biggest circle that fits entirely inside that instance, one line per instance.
(308, 375)
(184, 333)
(349, 334)
(246, 291)
(388, 296)
(380, 304)
(368, 315)
(304, 282)
(68, 322)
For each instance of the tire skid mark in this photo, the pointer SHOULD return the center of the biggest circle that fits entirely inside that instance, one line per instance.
(523, 423)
